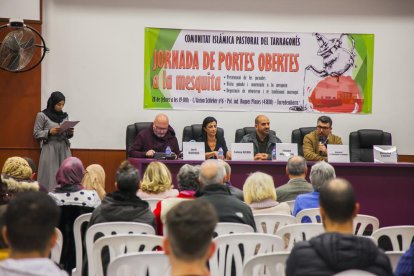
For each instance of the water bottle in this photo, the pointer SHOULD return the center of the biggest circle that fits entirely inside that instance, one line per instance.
(220, 154)
(168, 151)
(274, 153)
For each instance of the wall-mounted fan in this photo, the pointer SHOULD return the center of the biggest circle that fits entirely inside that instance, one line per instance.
(19, 47)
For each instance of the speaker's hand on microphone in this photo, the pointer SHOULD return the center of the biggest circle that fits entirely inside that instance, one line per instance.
(321, 148)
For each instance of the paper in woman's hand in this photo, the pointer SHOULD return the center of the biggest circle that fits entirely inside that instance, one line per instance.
(66, 125)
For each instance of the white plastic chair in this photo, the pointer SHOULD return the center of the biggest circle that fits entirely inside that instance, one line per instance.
(394, 257)
(269, 223)
(405, 232)
(313, 213)
(56, 251)
(77, 233)
(354, 272)
(228, 250)
(293, 233)
(274, 263)
(291, 204)
(120, 245)
(152, 202)
(112, 228)
(361, 223)
(153, 263)
(223, 228)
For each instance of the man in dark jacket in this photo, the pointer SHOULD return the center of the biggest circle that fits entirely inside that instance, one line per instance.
(123, 204)
(263, 140)
(338, 249)
(228, 207)
(154, 139)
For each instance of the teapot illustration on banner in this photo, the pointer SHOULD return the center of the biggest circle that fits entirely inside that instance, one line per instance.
(336, 59)
(333, 90)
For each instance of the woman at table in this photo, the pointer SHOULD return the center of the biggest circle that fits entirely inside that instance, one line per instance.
(55, 145)
(212, 141)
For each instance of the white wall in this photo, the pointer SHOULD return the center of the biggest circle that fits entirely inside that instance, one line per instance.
(97, 60)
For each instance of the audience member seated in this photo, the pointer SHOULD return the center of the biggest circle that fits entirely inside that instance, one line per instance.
(260, 195)
(233, 190)
(338, 249)
(74, 201)
(296, 170)
(212, 140)
(94, 179)
(15, 178)
(122, 205)
(315, 143)
(405, 266)
(154, 139)
(263, 141)
(321, 173)
(69, 190)
(228, 207)
(189, 243)
(30, 222)
(157, 182)
(188, 186)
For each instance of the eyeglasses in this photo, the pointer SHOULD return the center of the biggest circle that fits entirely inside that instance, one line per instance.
(323, 127)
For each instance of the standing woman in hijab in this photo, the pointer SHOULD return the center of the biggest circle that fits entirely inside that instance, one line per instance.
(55, 145)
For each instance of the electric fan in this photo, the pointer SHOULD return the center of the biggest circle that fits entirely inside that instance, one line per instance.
(19, 47)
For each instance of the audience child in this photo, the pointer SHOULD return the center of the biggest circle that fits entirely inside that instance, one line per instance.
(94, 179)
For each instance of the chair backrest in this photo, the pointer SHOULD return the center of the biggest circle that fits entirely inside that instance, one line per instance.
(239, 248)
(152, 202)
(194, 131)
(223, 228)
(269, 223)
(312, 213)
(361, 143)
(274, 264)
(132, 131)
(80, 222)
(298, 135)
(291, 204)
(394, 257)
(112, 228)
(293, 233)
(354, 272)
(401, 236)
(57, 249)
(68, 215)
(246, 130)
(142, 263)
(120, 245)
(363, 223)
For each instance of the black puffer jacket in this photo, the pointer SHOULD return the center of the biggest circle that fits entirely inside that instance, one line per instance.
(117, 206)
(331, 253)
(228, 207)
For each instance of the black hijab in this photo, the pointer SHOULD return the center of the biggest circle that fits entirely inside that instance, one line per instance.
(50, 111)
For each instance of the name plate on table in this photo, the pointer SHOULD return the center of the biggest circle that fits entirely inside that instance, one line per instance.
(385, 154)
(286, 150)
(194, 151)
(338, 153)
(242, 151)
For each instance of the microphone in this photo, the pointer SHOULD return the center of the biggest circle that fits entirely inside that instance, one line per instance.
(322, 141)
